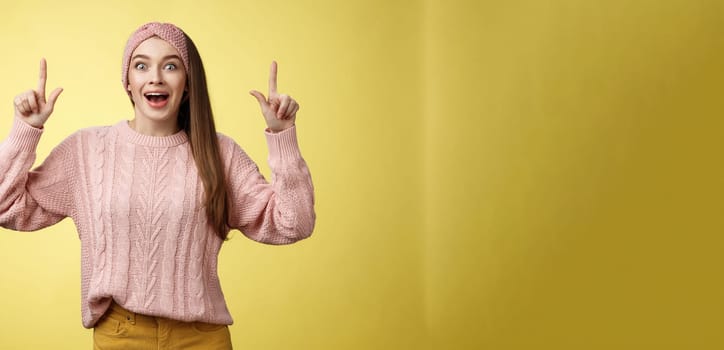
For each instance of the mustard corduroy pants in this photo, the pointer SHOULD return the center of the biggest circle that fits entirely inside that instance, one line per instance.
(122, 329)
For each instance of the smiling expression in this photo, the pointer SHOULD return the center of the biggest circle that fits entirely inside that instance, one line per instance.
(156, 81)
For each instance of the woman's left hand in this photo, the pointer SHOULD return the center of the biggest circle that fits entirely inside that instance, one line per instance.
(280, 110)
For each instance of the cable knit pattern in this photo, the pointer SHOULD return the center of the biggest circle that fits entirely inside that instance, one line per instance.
(120, 269)
(99, 220)
(136, 201)
(196, 283)
(178, 185)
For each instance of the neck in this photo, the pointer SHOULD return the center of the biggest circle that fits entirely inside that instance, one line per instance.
(152, 128)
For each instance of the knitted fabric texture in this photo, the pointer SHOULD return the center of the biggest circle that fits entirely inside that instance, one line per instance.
(166, 31)
(137, 203)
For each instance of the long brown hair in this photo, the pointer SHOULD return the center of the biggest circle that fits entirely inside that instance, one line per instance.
(196, 118)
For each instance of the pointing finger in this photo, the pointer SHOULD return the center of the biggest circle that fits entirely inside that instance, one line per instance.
(43, 77)
(273, 78)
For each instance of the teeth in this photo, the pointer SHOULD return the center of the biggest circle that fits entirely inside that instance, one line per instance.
(155, 94)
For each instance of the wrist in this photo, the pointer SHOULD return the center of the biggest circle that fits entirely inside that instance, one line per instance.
(277, 130)
(30, 123)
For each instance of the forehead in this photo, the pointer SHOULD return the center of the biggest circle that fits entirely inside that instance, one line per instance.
(155, 47)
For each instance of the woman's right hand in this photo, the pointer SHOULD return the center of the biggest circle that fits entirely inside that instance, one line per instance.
(31, 106)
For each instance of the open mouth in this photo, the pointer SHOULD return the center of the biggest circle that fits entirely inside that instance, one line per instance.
(156, 99)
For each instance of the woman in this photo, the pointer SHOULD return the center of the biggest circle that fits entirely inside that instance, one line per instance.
(153, 198)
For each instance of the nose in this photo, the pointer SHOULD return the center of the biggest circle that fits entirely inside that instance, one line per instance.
(157, 77)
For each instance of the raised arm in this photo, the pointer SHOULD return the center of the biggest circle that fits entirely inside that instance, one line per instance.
(282, 211)
(30, 200)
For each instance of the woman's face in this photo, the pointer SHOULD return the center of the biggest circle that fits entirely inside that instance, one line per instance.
(156, 80)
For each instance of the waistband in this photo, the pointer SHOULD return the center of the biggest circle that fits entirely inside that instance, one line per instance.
(119, 313)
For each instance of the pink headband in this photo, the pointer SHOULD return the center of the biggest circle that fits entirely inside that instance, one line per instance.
(166, 31)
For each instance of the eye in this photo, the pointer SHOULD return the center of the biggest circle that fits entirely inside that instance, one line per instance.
(140, 66)
(169, 66)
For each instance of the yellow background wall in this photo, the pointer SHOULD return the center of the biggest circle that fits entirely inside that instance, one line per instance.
(489, 174)
(575, 172)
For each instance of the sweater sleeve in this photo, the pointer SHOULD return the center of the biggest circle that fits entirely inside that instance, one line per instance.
(32, 200)
(280, 212)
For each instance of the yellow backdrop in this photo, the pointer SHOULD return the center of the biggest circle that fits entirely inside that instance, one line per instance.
(489, 174)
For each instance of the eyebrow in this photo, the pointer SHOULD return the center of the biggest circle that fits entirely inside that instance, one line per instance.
(163, 58)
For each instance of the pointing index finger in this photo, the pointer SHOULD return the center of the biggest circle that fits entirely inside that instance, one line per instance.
(42, 78)
(273, 78)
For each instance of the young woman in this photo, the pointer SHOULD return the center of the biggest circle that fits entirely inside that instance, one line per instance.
(153, 198)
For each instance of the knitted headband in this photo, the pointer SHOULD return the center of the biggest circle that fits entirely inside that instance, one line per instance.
(166, 31)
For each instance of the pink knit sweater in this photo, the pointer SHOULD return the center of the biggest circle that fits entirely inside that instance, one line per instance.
(136, 202)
